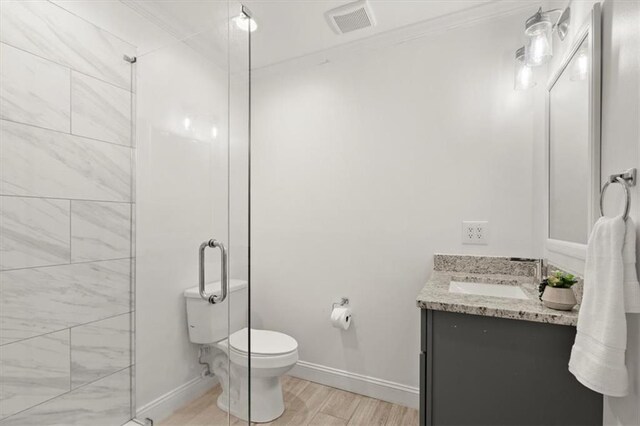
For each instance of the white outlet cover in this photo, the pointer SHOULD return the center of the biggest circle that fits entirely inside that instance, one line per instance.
(475, 232)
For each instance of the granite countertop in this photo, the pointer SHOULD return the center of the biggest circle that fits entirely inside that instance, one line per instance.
(494, 270)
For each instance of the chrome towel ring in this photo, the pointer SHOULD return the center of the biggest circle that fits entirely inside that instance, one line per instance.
(627, 179)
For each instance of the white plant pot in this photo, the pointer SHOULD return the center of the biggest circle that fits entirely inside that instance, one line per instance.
(561, 299)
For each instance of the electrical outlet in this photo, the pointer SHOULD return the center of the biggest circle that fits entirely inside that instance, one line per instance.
(475, 232)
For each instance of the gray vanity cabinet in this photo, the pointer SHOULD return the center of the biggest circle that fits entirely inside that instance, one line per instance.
(477, 370)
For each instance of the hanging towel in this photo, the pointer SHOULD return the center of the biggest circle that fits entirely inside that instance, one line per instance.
(598, 354)
(631, 285)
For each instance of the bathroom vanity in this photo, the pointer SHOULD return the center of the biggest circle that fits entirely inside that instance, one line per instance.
(494, 355)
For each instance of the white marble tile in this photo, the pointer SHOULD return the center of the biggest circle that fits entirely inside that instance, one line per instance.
(106, 402)
(44, 163)
(100, 110)
(34, 90)
(33, 371)
(42, 300)
(51, 32)
(100, 231)
(99, 349)
(34, 232)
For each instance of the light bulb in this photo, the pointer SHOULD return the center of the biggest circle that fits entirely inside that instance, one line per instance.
(539, 48)
(524, 78)
(186, 123)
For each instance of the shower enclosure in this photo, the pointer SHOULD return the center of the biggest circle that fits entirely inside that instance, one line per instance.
(124, 145)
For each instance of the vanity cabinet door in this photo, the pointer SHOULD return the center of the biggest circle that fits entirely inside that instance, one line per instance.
(495, 371)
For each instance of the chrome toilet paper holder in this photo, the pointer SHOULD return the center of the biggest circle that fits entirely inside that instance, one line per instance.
(343, 301)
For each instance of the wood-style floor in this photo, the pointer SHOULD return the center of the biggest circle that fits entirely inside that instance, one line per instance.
(306, 403)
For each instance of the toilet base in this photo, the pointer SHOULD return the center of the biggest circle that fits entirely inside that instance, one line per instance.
(267, 402)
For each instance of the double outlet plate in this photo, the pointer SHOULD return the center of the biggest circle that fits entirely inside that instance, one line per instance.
(475, 232)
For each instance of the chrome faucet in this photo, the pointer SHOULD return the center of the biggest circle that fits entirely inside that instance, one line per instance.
(542, 270)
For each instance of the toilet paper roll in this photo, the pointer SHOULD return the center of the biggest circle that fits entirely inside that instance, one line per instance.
(341, 317)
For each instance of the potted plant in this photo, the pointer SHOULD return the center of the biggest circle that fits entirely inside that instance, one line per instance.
(556, 292)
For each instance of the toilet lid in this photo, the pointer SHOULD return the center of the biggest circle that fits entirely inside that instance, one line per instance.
(263, 342)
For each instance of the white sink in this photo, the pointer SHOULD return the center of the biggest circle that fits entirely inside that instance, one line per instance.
(483, 289)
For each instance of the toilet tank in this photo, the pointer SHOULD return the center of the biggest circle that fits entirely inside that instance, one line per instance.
(207, 323)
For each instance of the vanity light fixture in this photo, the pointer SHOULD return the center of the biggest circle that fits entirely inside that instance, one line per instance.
(539, 29)
(539, 47)
(245, 23)
(524, 74)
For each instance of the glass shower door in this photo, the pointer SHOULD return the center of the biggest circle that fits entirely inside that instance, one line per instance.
(192, 187)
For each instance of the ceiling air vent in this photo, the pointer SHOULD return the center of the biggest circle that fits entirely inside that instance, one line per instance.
(350, 17)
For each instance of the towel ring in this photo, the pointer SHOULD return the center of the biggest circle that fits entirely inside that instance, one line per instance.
(626, 179)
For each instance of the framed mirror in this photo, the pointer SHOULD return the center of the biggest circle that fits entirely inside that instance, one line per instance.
(573, 143)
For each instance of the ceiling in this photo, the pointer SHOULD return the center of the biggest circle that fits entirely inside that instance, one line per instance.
(287, 29)
(293, 28)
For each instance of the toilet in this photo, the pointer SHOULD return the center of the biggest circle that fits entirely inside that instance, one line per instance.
(272, 353)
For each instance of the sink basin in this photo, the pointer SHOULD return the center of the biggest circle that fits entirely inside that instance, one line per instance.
(483, 289)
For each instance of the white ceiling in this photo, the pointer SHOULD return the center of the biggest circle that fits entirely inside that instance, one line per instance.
(293, 28)
(287, 29)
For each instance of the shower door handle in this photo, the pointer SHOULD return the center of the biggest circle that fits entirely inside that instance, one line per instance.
(224, 275)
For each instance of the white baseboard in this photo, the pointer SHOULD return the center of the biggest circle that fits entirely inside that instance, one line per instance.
(162, 407)
(365, 385)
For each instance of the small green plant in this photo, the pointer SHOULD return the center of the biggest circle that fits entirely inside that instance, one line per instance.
(557, 280)
(561, 280)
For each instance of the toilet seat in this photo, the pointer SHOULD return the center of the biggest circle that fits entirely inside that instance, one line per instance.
(269, 349)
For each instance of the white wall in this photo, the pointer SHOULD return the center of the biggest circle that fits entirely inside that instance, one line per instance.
(620, 151)
(181, 201)
(365, 167)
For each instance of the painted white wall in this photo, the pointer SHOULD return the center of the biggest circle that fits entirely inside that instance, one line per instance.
(365, 167)
(620, 151)
(181, 201)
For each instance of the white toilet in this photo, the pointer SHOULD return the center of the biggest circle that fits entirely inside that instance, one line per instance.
(272, 353)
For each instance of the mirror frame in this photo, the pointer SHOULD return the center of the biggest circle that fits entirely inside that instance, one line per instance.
(567, 253)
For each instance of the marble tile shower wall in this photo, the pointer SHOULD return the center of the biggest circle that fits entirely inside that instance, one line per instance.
(65, 219)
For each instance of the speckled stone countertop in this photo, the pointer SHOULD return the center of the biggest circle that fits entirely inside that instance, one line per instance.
(493, 270)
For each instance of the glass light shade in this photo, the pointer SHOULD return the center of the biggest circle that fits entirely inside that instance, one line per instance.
(539, 46)
(523, 73)
(245, 23)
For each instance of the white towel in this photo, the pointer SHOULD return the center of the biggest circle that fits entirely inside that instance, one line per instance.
(598, 354)
(631, 285)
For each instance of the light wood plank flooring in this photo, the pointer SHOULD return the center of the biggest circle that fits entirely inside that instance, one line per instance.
(306, 403)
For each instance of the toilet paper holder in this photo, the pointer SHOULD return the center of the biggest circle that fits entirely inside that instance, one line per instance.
(343, 301)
